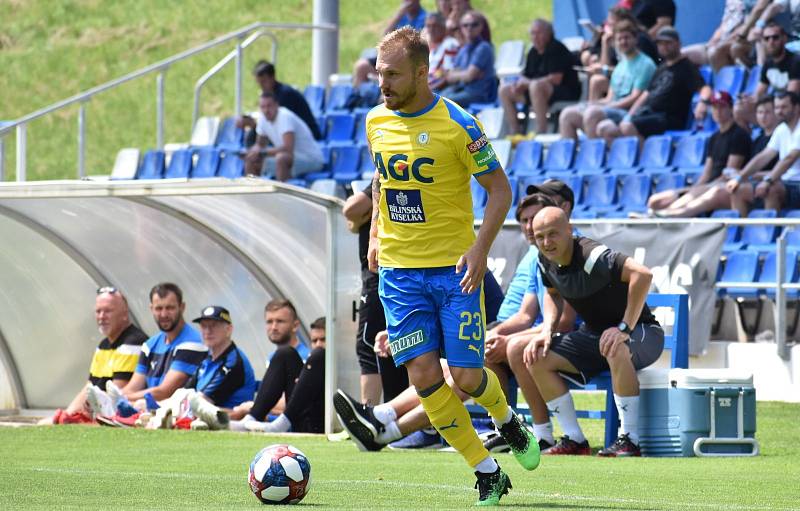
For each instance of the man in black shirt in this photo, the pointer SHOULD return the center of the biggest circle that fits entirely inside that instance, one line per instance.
(654, 14)
(608, 291)
(767, 121)
(729, 148)
(780, 72)
(288, 96)
(548, 77)
(665, 104)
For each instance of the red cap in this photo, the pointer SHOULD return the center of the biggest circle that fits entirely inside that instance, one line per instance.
(721, 97)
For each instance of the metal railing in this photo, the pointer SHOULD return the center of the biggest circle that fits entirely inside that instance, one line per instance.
(161, 67)
(216, 68)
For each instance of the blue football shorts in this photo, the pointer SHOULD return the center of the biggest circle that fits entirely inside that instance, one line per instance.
(427, 311)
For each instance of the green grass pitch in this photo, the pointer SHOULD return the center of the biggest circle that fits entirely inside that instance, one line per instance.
(78, 467)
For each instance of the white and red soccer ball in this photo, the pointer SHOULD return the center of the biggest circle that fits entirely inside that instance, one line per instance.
(280, 474)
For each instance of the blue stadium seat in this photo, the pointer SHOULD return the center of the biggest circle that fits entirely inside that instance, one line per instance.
(229, 136)
(527, 159)
(339, 128)
(707, 73)
(152, 166)
(328, 187)
(559, 155)
(231, 166)
(753, 78)
(370, 93)
(634, 192)
(760, 237)
(321, 125)
(793, 234)
(656, 152)
(180, 165)
(590, 157)
(315, 97)
(344, 163)
(732, 236)
(768, 272)
(325, 173)
(690, 152)
(584, 214)
(515, 195)
(623, 153)
(337, 97)
(668, 181)
(479, 197)
(207, 163)
(729, 79)
(576, 185)
(360, 135)
(741, 266)
(601, 190)
(366, 165)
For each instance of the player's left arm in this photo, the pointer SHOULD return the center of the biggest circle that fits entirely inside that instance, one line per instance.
(638, 277)
(499, 192)
(372, 251)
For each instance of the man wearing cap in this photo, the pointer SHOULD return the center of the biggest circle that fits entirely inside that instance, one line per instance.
(779, 187)
(728, 150)
(619, 333)
(521, 314)
(225, 378)
(114, 359)
(665, 104)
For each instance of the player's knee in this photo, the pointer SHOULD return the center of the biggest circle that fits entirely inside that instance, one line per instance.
(515, 350)
(621, 355)
(467, 379)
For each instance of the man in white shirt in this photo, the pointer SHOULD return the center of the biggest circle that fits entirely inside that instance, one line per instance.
(779, 187)
(443, 49)
(293, 152)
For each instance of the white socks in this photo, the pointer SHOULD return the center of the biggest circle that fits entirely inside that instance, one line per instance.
(507, 418)
(384, 413)
(628, 408)
(391, 434)
(487, 466)
(544, 432)
(563, 409)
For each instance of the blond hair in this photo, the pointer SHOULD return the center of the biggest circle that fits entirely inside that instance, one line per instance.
(407, 39)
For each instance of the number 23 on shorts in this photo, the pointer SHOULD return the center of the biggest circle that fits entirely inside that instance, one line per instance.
(473, 321)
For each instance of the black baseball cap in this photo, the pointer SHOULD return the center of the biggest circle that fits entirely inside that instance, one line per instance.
(216, 313)
(553, 187)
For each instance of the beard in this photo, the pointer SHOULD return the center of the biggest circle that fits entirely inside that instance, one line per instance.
(398, 101)
(168, 326)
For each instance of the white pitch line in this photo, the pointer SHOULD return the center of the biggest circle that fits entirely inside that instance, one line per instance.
(427, 486)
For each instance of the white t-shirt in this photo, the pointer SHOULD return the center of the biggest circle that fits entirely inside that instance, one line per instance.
(785, 141)
(305, 147)
(442, 57)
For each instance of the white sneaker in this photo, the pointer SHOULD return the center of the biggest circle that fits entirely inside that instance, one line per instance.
(99, 401)
(199, 424)
(143, 419)
(241, 425)
(210, 414)
(113, 392)
(256, 426)
(162, 419)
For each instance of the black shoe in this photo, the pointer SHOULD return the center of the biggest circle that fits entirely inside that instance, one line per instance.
(496, 443)
(568, 446)
(544, 445)
(522, 442)
(491, 487)
(359, 421)
(622, 447)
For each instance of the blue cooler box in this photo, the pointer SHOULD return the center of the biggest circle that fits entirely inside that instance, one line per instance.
(702, 412)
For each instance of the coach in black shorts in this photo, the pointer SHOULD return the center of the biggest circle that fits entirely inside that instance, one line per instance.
(608, 290)
(377, 373)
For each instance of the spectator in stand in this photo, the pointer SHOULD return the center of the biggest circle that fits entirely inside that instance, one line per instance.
(728, 150)
(288, 96)
(654, 14)
(780, 186)
(767, 121)
(443, 50)
(293, 152)
(665, 104)
(548, 77)
(747, 47)
(410, 14)
(601, 50)
(628, 81)
(716, 52)
(378, 374)
(472, 78)
(114, 359)
(781, 71)
(457, 9)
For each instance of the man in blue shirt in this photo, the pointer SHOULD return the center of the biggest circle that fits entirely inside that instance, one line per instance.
(472, 78)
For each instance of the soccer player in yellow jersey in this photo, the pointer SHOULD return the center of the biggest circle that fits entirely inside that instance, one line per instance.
(426, 150)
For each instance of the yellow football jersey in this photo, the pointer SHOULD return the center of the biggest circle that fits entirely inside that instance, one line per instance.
(426, 160)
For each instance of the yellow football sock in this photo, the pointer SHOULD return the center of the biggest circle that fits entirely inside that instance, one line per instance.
(489, 395)
(451, 419)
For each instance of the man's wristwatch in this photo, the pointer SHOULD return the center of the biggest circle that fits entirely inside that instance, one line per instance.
(624, 328)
